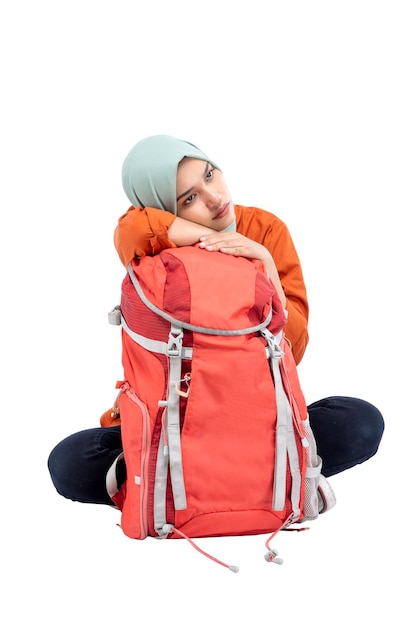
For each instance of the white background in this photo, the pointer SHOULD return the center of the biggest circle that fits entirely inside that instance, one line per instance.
(310, 109)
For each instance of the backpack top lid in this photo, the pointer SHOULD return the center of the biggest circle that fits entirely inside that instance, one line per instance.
(209, 289)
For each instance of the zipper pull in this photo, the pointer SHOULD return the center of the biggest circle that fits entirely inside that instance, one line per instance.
(186, 380)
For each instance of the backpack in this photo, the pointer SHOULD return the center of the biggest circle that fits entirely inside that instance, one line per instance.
(214, 424)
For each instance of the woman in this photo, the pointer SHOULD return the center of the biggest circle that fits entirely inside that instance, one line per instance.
(179, 197)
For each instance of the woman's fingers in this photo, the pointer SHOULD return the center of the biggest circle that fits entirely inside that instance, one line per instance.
(231, 243)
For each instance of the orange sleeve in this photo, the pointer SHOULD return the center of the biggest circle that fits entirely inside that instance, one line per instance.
(290, 273)
(270, 231)
(142, 232)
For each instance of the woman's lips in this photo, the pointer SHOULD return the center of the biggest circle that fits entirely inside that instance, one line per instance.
(224, 209)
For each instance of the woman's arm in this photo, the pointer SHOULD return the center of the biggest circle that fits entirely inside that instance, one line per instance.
(141, 232)
(145, 232)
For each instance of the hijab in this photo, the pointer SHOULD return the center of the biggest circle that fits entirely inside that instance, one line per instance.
(149, 173)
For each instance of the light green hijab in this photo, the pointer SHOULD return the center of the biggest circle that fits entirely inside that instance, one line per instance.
(149, 172)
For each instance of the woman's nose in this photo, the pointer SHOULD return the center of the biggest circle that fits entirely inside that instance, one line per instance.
(213, 199)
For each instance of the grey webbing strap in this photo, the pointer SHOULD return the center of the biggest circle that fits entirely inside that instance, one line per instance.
(294, 468)
(151, 344)
(284, 414)
(173, 418)
(175, 352)
(286, 446)
(160, 489)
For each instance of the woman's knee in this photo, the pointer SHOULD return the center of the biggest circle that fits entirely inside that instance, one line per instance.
(79, 463)
(370, 423)
(354, 415)
(66, 461)
(348, 431)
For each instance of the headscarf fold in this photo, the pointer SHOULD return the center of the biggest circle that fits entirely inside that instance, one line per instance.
(149, 173)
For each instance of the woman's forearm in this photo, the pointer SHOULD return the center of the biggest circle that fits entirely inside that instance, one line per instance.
(185, 233)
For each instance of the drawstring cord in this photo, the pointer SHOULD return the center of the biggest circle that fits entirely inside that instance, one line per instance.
(272, 555)
(169, 529)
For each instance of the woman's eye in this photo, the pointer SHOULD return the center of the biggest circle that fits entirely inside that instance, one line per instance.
(210, 174)
(189, 199)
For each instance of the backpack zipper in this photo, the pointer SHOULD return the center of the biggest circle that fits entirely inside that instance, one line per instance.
(126, 388)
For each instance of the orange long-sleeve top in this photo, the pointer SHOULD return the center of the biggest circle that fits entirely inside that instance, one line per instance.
(142, 232)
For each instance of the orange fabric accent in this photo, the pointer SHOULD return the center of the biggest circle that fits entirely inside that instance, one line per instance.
(144, 232)
(111, 417)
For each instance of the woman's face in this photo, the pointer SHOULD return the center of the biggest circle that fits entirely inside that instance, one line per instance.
(202, 195)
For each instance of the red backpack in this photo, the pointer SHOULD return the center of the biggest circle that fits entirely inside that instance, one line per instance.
(214, 424)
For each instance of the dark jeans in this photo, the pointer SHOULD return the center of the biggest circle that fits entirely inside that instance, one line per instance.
(347, 431)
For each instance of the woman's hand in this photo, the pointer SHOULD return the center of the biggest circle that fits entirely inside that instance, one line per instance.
(236, 244)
